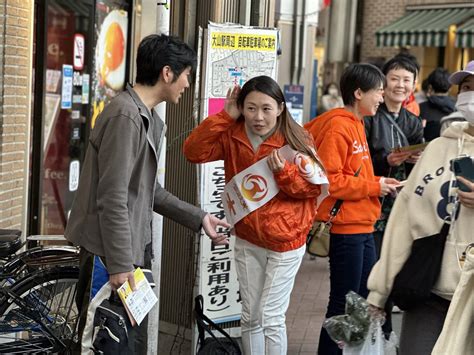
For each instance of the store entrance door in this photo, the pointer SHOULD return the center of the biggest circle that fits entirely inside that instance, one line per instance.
(80, 63)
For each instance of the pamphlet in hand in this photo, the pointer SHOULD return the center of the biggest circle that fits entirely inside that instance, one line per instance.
(137, 303)
(411, 148)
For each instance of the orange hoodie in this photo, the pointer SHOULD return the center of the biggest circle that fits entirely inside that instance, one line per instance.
(342, 146)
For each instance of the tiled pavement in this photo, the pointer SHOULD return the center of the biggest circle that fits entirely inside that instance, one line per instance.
(307, 306)
(304, 317)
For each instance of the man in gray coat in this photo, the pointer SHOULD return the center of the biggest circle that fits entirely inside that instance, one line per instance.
(111, 217)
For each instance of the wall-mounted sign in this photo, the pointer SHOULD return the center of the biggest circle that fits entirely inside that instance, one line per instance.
(73, 175)
(86, 80)
(66, 90)
(78, 51)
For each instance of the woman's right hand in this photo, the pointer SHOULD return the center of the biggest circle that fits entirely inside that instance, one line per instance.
(230, 105)
(397, 158)
(388, 186)
(376, 313)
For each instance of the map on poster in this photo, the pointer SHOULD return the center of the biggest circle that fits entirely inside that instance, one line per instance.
(234, 54)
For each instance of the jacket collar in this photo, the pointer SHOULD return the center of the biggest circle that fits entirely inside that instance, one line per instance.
(144, 111)
(276, 140)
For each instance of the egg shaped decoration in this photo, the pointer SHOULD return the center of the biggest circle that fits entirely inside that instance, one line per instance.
(111, 49)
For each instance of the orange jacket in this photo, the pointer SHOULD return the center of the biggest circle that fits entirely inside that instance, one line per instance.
(342, 146)
(411, 105)
(282, 223)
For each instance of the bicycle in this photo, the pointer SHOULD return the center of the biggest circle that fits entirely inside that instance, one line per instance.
(37, 298)
(15, 264)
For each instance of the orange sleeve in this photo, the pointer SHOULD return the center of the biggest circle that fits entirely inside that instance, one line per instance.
(206, 143)
(293, 184)
(333, 149)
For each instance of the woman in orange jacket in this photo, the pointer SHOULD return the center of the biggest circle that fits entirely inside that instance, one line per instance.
(339, 135)
(270, 241)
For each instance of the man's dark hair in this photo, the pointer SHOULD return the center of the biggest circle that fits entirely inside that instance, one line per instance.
(402, 61)
(439, 80)
(359, 76)
(157, 51)
(424, 85)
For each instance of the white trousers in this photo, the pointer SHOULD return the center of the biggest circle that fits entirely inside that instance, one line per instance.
(266, 279)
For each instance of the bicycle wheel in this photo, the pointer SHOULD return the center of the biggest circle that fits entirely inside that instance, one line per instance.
(38, 314)
(38, 258)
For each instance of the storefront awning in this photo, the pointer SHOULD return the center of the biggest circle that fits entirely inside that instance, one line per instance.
(465, 35)
(426, 28)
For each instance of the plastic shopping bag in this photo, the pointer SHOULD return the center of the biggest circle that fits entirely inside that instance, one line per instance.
(350, 328)
(374, 343)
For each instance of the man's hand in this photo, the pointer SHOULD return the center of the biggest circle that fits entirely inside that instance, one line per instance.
(388, 186)
(117, 280)
(466, 198)
(209, 224)
(230, 105)
(396, 158)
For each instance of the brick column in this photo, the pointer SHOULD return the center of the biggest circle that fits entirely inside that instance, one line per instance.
(15, 95)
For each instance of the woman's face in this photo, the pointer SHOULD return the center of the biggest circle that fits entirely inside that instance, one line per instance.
(467, 84)
(370, 101)
(333, 90)
(261, 112)
(400, 84)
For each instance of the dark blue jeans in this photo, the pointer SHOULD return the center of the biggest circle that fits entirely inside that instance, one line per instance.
(351, 257)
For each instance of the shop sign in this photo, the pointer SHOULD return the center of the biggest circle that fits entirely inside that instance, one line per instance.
(66, 90)
(73, 175)
(85, 88)
(294, 94)
(78, 51)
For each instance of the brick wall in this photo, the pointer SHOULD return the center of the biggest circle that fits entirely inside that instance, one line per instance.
(378, 13)
(15, 72)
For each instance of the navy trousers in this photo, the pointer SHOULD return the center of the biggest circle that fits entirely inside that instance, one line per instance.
(351, 257)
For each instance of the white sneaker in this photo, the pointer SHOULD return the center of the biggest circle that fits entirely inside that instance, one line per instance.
(395, 309)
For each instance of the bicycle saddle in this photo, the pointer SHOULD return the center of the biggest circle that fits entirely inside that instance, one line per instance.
(10, 241)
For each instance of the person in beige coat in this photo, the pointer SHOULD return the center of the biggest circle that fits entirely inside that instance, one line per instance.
(426, 200)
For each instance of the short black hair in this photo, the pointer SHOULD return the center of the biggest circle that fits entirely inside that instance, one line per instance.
(401, 61)
(411, 58)
(439, 80)
(362, 76)
(157, 51)
(424, 85)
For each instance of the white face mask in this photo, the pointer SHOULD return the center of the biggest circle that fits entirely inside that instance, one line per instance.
(465, 105)
(333, 92)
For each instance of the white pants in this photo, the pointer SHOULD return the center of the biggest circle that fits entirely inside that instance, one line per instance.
(266, 279)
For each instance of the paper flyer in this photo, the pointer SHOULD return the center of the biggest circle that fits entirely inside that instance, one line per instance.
(138, 303)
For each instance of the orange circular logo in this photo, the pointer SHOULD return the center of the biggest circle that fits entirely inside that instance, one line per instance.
(254, 187)
(305, 165)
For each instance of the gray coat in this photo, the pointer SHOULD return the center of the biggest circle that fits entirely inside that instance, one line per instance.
(118, 189)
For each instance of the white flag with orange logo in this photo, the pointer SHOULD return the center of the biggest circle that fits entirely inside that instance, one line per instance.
(255, 186)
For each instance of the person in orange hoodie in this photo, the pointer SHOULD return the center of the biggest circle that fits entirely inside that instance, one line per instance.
(340, 139)
(270, 240)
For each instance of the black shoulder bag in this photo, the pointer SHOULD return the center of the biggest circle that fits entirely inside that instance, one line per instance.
(412, 285)
(213, 345)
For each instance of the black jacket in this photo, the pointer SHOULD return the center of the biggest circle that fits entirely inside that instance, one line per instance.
(382, 136)
(433, 111)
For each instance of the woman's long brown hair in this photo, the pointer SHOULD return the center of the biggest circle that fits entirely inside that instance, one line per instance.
(296, 136)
